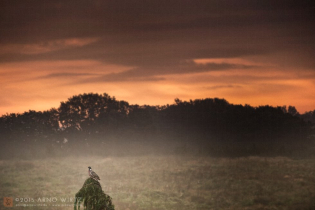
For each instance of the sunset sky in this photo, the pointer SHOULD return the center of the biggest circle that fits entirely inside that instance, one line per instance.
(255, 52)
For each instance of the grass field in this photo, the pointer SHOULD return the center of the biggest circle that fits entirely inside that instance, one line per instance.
(165, 182)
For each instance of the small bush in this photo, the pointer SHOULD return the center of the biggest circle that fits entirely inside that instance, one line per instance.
(93, 197)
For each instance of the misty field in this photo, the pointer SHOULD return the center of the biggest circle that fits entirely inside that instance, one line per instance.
(164, 182)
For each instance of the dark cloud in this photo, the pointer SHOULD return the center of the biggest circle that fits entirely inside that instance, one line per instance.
(159, 72)
(45, 19)
(156, 37)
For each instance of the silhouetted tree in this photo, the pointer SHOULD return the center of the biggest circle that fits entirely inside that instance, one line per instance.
(292, 110)
(93, 121)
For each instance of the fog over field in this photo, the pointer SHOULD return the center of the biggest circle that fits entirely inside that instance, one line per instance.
(164, 182)
(197, 154)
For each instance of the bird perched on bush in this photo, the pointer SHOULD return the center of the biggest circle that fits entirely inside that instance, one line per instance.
(93, 197)
(93, 175)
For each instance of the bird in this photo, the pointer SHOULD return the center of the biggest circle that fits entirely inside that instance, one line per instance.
(93, 175)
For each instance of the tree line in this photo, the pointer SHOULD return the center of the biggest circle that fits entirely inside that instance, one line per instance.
(98, 124)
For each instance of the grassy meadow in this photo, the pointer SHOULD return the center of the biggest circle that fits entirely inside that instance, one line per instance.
(165, 182)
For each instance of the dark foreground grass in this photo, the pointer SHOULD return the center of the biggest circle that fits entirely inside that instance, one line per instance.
(165, 182)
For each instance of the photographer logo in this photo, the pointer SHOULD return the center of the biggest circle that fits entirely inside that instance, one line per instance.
(8, 202)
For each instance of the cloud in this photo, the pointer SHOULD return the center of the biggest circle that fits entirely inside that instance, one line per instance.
(143, 33)
(157, 73)
(64, 75)
(45, 47)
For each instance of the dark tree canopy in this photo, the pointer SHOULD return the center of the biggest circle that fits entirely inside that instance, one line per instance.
(99, 123)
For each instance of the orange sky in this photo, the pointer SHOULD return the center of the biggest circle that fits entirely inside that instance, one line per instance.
(151, 53)
(26, 85)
